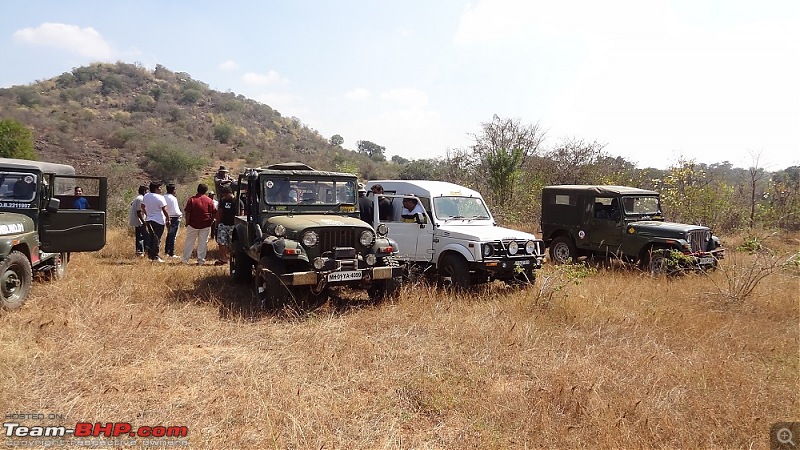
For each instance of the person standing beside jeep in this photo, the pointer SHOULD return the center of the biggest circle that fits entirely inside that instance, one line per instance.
(154, 208)
(384, 205)
(200, 212)
(175, 215)
(137, 221)
(226, 216)
(222, 178)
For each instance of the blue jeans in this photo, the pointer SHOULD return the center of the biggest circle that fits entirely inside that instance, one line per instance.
(141, 239)
(154, 241)
(172, 233)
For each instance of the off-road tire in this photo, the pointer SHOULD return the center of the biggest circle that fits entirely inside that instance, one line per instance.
(270, 291)
(657, 263)
(453, 272)
(241, 266)
(15, 280)
(383, 290)
(562, 250)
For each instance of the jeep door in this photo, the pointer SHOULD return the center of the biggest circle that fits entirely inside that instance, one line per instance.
(415, 240)
(605, 224)
(69, 228)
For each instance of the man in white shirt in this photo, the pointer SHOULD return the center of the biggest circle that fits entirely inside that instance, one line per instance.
(175, 214)
(411, 209)
(136, 220)
(154, 208)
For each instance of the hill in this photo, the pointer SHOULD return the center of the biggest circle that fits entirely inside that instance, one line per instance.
(131, 124)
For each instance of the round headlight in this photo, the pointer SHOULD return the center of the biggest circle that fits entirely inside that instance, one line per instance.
(513, 248)
(367, 238)
(279, 230)
(371, 259)
(487, 250)
(382, 229)
(310, 238)
(319, 263)
(530, 247)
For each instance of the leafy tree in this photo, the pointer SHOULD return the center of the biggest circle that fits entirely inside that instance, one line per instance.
(371, 149)
(27, 96)
(336, 140)
(503, 146)
(421, 169)
(397, 159)
(223, 132)
(16, 140)
(171, 163)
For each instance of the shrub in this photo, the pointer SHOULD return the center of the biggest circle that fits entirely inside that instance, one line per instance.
(170, 163)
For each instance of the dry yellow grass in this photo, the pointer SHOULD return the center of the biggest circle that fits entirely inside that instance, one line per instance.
(619, 360)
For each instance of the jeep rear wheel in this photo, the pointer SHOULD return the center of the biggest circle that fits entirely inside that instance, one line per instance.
(562, 250)
(15, 280)
(59, 270)
(454, 272)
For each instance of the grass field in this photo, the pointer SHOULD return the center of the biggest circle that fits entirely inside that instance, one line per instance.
(599, 358)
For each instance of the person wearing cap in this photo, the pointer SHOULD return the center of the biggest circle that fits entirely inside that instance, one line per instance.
(175, 214)
(365, 206)
(154, 208)
(222, 178)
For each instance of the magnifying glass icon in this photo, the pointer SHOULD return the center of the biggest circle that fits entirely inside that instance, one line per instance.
(785, 436)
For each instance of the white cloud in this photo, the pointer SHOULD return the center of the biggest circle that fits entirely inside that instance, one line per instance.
(86, 42)
(357, 94)
(407, 97)
(229, 65)
(259, 79)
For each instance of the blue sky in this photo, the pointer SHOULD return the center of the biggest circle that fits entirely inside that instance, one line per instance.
(655, 80)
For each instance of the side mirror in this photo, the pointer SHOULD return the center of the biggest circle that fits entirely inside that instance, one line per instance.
(53, 205)
(420, 218)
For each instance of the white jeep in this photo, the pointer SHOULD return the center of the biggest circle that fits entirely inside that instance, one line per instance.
(455, 238)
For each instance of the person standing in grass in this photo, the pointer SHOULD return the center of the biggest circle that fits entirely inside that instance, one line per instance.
(175, 214)
(154, 208)
(229, 207)
(200, 213)
(137, 221)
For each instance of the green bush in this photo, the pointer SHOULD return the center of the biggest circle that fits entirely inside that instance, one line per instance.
(16, 140)
(166, 162)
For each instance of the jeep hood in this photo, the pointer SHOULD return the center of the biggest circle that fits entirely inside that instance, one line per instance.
(303, 221)
(12, 223)
(658, 228)
(480, 233)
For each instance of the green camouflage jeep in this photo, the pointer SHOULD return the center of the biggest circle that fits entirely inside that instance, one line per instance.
(40, 224)
(623, 222)
(300, 233)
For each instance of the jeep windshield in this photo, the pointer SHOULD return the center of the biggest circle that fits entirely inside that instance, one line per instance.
(17, 187)
(298, 192)
(641, 206)
(460, 208)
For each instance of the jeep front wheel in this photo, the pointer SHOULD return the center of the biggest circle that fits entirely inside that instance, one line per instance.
(454, 272)
(385, 289)
(562, 250)
(15, 280)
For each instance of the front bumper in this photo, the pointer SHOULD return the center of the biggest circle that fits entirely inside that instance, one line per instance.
(341, 277)
(497, 268)
(704, 260)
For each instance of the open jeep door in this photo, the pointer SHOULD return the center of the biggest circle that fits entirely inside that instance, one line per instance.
(67, 228)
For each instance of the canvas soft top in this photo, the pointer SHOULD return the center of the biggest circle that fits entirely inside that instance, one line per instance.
(600, 189)
(45, 167)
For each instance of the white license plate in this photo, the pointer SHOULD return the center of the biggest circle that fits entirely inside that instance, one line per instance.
(707, 260)
(524, 262)
(348, 275)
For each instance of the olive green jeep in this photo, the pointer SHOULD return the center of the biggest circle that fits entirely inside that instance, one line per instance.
(42, 221)
(300, 233)
(622, 222)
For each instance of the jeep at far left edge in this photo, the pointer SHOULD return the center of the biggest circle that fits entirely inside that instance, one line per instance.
(42, 221)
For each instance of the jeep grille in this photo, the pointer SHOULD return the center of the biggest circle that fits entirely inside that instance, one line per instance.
(338, 237)
(697, 239)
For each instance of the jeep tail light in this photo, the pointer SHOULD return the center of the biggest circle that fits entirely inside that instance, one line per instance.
(292, 251)
(386, 249)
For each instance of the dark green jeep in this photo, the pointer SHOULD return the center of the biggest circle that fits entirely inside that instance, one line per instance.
(624, 222)
(42, 220)
(300, 233)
